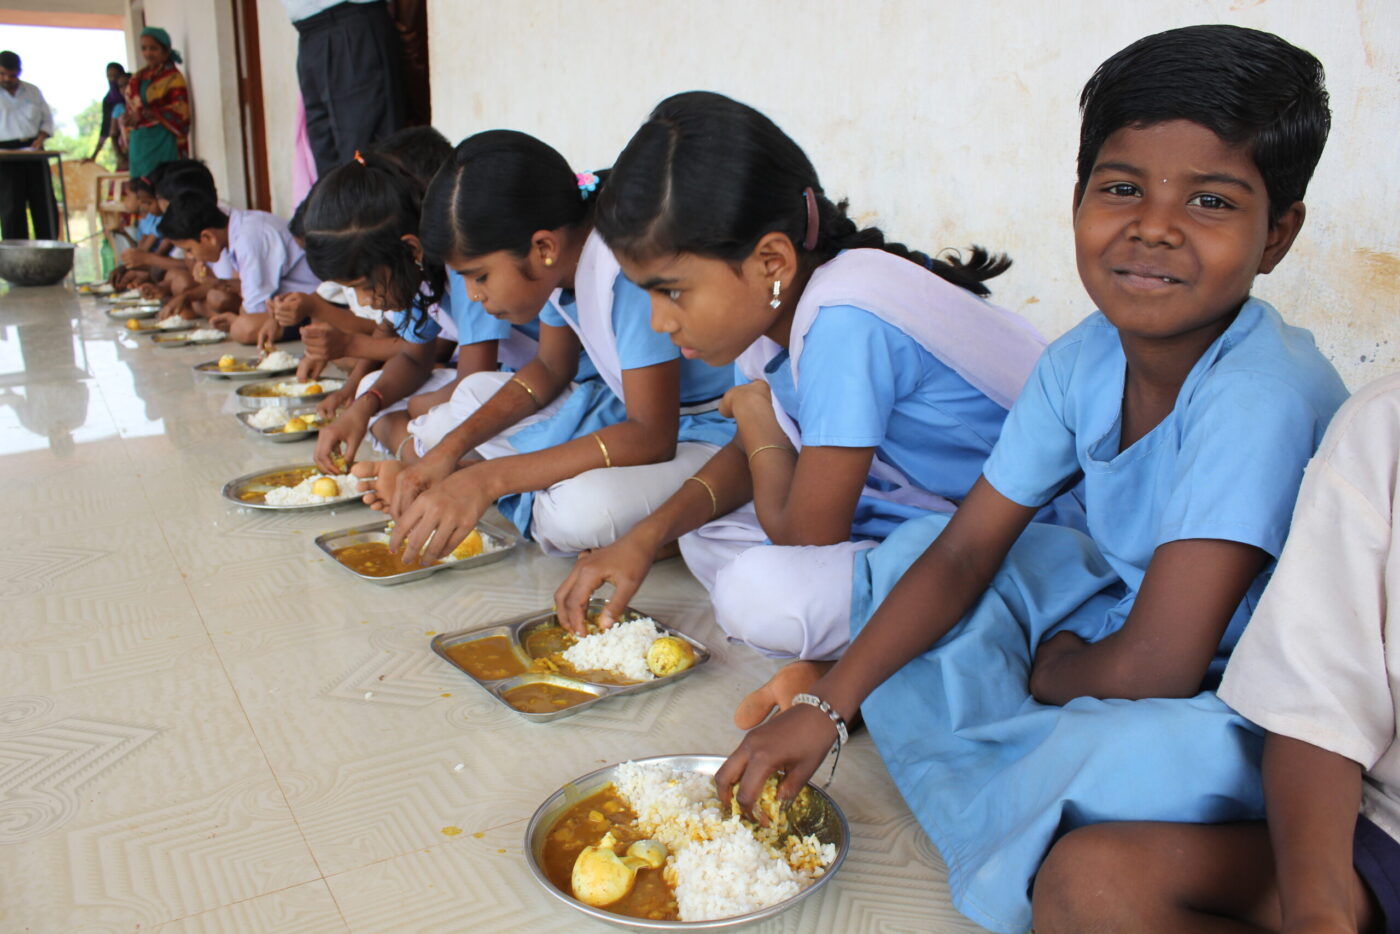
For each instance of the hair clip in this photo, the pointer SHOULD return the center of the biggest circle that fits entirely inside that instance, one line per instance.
(359, 158)
(809, 242)
(587, 182)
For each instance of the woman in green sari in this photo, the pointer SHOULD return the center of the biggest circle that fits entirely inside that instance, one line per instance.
(158, 106)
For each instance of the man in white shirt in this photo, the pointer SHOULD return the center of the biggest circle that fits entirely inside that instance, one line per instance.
(25, 122)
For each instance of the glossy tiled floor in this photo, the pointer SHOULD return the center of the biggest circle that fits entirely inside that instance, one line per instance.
(204, 727)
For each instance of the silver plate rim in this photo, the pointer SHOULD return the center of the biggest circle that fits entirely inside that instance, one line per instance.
(210, 368)
(229, 491)
(257, 402)
(694, 762)
(278, 437)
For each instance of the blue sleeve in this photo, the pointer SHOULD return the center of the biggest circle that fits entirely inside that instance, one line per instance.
(1036, 454)
(1245, 439)
(853, 368)
(552, 316)
(147, 225)
(426, 330)
(474, 325)
(637, 344)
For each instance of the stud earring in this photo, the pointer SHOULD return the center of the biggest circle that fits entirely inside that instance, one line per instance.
(777, 301)
(549, 261)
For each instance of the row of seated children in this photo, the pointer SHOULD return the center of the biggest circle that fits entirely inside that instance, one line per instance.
(148, 261)
(648, 416)
(1025, 565)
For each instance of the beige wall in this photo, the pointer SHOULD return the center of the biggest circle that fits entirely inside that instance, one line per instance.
(202, 30)
(948, 123)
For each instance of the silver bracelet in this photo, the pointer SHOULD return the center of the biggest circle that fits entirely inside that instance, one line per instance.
(842, 735)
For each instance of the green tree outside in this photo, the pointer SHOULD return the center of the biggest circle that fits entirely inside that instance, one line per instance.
(89, 121)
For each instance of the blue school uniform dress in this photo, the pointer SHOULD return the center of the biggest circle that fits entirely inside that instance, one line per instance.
(597, 403)
(517, 343)
(866, 383)
(995, 777)
(146, 226)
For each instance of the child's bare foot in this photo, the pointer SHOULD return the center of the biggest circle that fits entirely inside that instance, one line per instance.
(792, 679)
(385, 475)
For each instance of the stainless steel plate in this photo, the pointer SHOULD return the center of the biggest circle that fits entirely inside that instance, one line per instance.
(119, 313)
(178, 339)
(827, 822)
(129, 297)
(155, 330)
(276, 434)
(251, 482)
(505, 540)
(211, 368)
(247, 400)
(515, 631)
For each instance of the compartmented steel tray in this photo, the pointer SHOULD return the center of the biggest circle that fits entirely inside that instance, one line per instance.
(505, 541)
(243, 484)
(516, 631)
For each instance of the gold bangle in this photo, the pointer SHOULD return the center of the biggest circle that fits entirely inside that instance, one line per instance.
(714, 500)
(526, 386)
(771, 447)
(607, 458)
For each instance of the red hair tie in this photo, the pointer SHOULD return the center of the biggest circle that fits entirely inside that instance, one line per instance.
(359, 158)
(809, 242)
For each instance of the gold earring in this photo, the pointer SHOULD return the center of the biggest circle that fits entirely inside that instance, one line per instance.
(777, 301)
(549, 261)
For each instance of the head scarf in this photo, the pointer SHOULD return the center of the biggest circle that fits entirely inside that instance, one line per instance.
(163, 37)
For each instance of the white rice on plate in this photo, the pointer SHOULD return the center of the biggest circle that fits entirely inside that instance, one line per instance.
(301, 495)
(718, 867)
(174, 321)
(278, 360)
(207, 334)
(294, 388)
(269, 417)
(621, 649)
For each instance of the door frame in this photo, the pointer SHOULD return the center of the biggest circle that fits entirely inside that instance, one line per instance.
(251, 112)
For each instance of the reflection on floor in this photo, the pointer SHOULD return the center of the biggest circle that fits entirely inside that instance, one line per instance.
(206, 727)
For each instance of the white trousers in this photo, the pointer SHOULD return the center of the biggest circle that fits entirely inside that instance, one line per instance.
(785, 601)
(471, 393)
(439, 378)
(590, 510)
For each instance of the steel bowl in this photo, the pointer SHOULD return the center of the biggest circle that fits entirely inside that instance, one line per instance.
(830, 826)
(35, 262)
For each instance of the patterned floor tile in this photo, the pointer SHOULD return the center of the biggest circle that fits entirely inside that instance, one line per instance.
(302, 909)
(207, 726)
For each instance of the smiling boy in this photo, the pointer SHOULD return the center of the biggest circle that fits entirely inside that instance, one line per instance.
(1027, 686)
